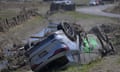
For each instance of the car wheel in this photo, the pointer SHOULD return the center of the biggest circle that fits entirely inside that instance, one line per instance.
(78, 28)
(68, 30)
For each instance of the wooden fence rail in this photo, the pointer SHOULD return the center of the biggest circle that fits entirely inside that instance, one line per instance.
(6, 24)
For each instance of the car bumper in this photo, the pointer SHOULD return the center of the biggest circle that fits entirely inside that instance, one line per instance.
(43, 64)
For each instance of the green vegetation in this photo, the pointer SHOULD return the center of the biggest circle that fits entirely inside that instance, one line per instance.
(81, 68)
(79, 15)
(73, 16)
(118, 61)
(8, 13)
(33, 22)
(81, 1)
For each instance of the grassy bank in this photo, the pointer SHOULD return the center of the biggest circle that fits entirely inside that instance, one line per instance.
(81, 1)
(8, 13)
(73, 16)
(79, 15)
(81, 68)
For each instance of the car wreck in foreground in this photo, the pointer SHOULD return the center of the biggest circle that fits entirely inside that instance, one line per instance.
(65, 43)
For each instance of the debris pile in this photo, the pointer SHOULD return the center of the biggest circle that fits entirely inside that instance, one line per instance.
(11, 57)
(113, 32)
(115, 9)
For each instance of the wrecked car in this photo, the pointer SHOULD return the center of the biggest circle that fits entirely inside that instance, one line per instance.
(64, 45)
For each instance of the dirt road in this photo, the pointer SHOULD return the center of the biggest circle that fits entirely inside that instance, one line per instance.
(98, 10)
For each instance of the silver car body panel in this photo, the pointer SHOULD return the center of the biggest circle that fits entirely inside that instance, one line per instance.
(50, 46)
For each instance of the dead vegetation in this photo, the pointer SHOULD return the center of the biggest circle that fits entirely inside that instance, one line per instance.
(114, 9)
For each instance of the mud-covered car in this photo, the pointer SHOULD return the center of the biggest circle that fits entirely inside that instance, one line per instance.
(64, 46)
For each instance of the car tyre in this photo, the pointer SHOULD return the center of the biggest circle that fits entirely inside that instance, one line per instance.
(68, 30)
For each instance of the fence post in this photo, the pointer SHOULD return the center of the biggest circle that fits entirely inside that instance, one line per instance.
(18, 20)
(1, 27)
(6, 24)
(12, 22)
(14, 19)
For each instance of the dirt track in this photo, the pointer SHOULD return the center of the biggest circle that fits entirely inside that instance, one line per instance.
(97, 10)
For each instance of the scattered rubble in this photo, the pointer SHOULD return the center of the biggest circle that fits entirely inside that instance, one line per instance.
(113, 33)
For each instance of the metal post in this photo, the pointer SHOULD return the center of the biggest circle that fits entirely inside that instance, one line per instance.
(78, 46)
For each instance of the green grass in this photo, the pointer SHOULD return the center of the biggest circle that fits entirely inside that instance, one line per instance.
(31, 22)
(34, 20)
(118, 61)
(81, 68)
(78, 15)
(7, 13)
(81, 1)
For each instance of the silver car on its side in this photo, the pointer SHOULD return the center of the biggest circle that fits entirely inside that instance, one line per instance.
(63, 45)
(56, 49)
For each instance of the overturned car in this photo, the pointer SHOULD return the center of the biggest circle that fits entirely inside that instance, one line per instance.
(65, 43)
